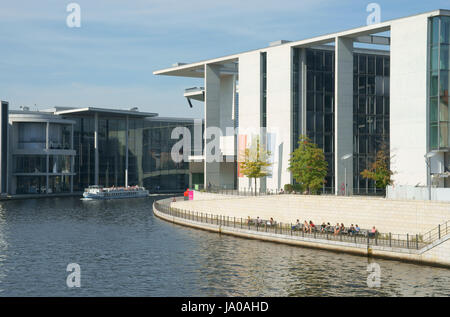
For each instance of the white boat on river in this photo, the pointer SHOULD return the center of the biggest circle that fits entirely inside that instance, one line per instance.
(100, 192)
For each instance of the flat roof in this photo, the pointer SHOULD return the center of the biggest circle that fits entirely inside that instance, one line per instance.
(195, 69)
(93, 110)
(175, 119)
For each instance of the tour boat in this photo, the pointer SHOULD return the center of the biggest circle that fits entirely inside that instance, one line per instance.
(100, 192)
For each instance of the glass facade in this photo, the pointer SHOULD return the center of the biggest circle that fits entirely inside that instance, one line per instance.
(370, 115)
(43, 162)
(370, 109)
(439, 84)
(320, 106)
(32, 135)
(159, 171)
(59, 136)
(31, 185)
(264, 90)
(149, 153)
(295, 98)
(29, 164)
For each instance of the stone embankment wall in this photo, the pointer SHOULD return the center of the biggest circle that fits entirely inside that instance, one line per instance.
(395, 216)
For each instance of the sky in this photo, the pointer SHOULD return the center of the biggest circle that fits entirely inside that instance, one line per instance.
(109, 60)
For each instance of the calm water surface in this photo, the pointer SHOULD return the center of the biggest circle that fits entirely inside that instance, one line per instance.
(123, 250)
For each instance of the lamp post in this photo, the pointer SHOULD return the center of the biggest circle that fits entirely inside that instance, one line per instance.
(428, 157)
(344, 158)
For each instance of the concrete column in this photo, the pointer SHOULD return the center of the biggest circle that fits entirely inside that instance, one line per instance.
(72, 160)
(126, 153)
(343, 133)
(212, 119)
(47, 128)
(96, 149)
(71, 176)
(46, 174)
(249, 104)
(71, 137)
(4, 149)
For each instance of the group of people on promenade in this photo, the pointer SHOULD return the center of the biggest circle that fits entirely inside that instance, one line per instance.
(259, 222)
(310, 227)
(327, 227)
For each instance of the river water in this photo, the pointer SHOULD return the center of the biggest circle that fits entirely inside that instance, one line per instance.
(124, 250)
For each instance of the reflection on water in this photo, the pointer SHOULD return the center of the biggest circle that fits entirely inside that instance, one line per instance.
(123, 250)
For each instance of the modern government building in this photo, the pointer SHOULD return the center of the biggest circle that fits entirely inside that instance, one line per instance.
(64, 150)
(351, 92)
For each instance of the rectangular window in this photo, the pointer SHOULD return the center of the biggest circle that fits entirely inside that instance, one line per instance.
(434, 109)
(434, 136)
(445, 30)
(387, 66)
(328, 103)
(370, 85)
(371, 65)
(434, 84)
(443, 83)
(379, 61)
(435, 31)
(319, 102)
(362, 64)
(362, 85)
(444, 57)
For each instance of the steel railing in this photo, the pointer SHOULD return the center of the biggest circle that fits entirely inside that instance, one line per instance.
(437, 233)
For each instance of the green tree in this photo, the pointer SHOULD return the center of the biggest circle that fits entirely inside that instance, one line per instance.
(256, 162)
(379, 170)
(308, 165)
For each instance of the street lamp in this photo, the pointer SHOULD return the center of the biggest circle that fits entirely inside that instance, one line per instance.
(343, 158)
(428, 157)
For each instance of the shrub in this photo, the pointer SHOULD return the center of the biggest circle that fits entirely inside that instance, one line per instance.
(298, 188)
(288, 188)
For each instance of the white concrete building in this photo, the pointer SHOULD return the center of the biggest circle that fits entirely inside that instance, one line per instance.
(350, 92)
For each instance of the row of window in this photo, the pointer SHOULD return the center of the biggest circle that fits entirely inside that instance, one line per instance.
(38, 164)
(371, 105)
(38, 184)
(371, 65)
(371, 85)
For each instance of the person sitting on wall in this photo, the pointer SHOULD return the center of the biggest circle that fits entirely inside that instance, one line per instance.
(296, 226)
(311, 226)
(373, 232)
(305, 226)
(337, 229)
(357, 229)
(271, 222)
(323, 227)
(351, 230)
(342, 228)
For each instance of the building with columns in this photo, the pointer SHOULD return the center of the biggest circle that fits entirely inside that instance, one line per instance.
(351, 92)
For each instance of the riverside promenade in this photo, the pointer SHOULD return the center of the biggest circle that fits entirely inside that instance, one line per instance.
(414, 231)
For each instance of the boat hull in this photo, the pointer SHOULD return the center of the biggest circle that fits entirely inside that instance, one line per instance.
(116, 195)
